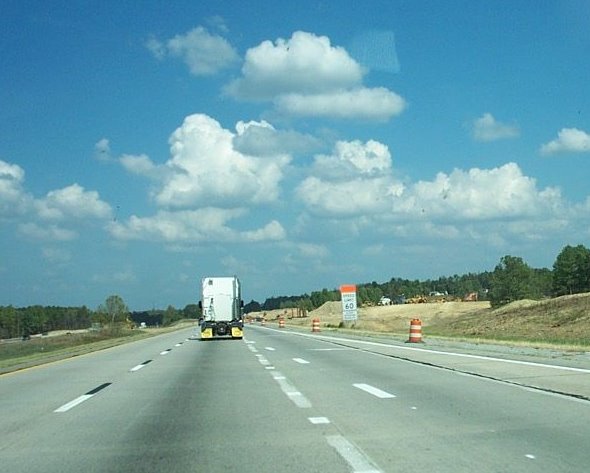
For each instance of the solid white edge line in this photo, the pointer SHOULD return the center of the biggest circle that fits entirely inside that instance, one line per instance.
(438, 352)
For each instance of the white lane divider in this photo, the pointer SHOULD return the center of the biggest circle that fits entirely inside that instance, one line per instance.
(80, 399)
(291, 391)
(319, 420)
(300, 361)
(165, 352)
(374, 391)
(140, 366)
(269, 348)
(355, 457)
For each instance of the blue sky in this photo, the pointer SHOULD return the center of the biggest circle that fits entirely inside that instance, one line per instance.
(299, 145)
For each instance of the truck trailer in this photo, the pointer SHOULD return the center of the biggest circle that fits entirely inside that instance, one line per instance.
(221, 308)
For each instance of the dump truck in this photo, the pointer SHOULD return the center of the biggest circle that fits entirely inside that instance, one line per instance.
(221, 308)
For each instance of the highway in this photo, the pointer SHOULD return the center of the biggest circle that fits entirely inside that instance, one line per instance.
(278, 401)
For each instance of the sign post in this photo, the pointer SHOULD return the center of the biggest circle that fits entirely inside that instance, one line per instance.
(348, 296)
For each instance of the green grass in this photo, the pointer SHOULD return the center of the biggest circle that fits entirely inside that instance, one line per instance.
(23, 354)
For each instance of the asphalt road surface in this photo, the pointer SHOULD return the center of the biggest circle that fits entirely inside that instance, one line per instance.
(278, 401)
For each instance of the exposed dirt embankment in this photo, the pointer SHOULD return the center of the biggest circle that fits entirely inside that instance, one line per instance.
(562, 320)
(382, 318)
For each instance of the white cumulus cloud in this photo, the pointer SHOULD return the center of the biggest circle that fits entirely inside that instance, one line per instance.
(203, 52)
(50, 232)
(355, 179)
(189, 226)
(13, 199)
(478, 194)
(262, 139)
(569, 140)
(308, 76)
(305, 63)
(102, 150)
(205, 169)
(378, 103)
(72, 202)
(487, 128)
(141, 165)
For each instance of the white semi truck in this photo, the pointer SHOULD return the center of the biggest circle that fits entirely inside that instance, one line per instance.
(222, 308)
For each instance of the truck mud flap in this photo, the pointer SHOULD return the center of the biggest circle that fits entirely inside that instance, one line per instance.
(237, 332)
(206, 333)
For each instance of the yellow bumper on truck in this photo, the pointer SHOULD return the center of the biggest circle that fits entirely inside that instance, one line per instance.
(234, 329)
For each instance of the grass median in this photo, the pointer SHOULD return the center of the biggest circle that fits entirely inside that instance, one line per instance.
(21, 354)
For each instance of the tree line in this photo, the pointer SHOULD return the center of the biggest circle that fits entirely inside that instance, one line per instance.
(26, 321)
(512, 279)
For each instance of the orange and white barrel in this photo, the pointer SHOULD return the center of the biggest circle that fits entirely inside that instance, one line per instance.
(315, 325)
(415, 331)
(281, 322)
(263, 322)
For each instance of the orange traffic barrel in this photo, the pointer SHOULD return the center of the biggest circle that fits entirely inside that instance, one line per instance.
(263, 322)
(415, 331)
(281, 322)
(315, 325)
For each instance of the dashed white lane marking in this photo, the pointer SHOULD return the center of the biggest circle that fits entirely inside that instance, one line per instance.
(140, 366)
(319, 420)
(300, 361)
(269, 348)
(263, 361)
(165, 352)
(374, 391)
(358, 461)
(74, 403)
(531, 457)
(178, 345)
(80, 399)
(291, 391)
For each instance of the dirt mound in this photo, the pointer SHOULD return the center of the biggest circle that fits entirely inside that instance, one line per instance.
(562, 320)
(395, 318)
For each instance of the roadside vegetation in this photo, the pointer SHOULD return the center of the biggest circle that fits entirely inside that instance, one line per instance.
(521, 303)
(511, 280)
